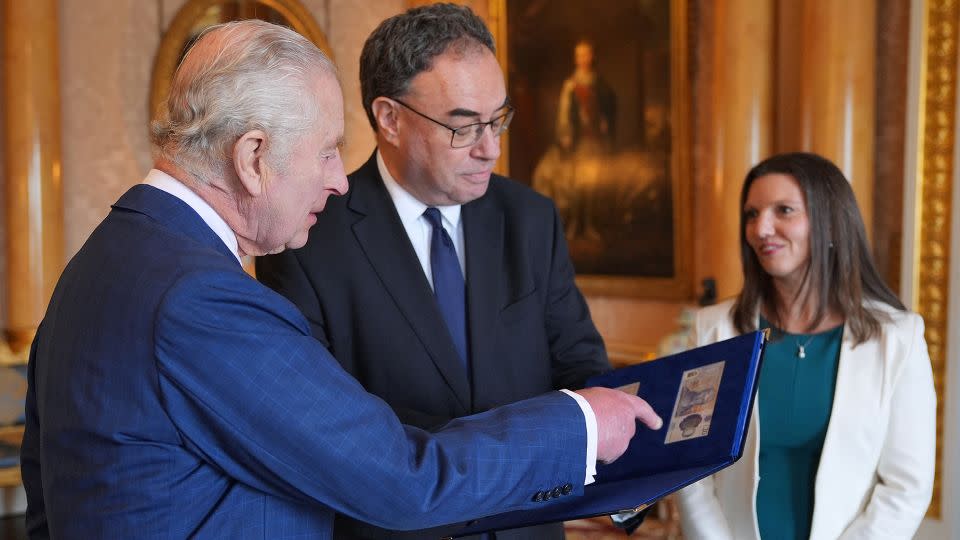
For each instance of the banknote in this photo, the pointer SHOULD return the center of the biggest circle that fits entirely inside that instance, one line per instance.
(696, 398)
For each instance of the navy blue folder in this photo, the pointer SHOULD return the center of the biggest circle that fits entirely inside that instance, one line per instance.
(705, 413)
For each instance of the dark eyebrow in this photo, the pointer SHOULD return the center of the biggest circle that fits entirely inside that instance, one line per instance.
(467, 113)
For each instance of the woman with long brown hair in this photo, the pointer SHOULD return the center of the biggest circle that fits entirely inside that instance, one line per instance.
(842, 439)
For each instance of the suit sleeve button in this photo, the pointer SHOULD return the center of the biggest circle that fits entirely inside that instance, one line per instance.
(566, 489)
(556, 492)
(538, 497)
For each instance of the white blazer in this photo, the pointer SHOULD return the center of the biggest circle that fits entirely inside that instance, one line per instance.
(875, 477)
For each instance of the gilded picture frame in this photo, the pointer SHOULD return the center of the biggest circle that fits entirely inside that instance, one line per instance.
(196, 15)
(602, 127)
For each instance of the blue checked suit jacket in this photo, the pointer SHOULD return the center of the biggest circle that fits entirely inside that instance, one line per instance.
(172, 396)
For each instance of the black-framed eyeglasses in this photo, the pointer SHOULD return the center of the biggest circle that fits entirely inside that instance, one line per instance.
(469, 134)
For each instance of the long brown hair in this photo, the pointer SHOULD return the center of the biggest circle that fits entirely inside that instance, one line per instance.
(841, 274)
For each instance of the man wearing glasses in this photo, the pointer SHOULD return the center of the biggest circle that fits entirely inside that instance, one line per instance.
(445, 289)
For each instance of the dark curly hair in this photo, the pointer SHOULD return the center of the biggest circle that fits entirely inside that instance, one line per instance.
(405, 45)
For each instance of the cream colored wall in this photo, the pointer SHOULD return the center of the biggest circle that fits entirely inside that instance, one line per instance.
(633, 327)
(107, 50)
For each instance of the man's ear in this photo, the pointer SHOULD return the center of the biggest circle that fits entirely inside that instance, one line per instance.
(249, 160)
(385, 114)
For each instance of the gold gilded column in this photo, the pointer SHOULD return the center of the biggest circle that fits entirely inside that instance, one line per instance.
(31, 128)
(832, 87)
(930, 258)
(742, 123)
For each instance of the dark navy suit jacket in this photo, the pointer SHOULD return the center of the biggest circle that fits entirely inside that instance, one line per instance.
(361, 286)
(172, 396)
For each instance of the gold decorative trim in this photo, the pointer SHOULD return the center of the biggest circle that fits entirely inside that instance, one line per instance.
(168, 54)
(931, 258)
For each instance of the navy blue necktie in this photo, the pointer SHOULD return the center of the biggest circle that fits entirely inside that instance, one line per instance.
(448, 285)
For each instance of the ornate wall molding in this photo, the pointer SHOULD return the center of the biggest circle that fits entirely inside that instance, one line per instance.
(934, 188)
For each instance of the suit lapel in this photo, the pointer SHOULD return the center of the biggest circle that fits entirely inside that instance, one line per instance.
(857, 397)
(483, 240)
(384, 241)
(173, 213)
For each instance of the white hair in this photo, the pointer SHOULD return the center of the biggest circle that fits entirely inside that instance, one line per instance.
(237, 77)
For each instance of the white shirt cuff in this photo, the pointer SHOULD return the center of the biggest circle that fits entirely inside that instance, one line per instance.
(591, 420)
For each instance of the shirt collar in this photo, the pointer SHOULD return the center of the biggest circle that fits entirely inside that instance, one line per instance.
(171, 185)
(409, 207)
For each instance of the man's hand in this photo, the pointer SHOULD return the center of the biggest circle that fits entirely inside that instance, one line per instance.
(616, 414)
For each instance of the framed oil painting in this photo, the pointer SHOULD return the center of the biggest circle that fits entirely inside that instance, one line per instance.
(602, 122)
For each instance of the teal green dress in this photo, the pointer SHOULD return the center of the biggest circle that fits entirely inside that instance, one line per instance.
(796, 396)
